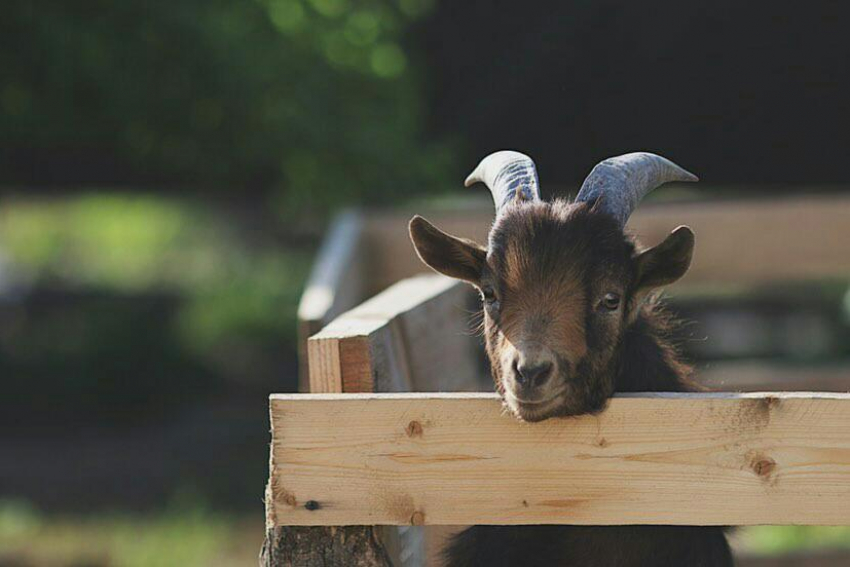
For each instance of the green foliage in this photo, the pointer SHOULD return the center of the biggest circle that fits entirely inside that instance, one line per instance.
(180, 535)
(783, 539)
(135, 244)
(106, 240)
(188, 533)
(257, 303)
(318, 97)
(139, 303)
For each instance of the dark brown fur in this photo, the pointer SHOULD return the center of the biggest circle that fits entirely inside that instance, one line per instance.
(547, 266)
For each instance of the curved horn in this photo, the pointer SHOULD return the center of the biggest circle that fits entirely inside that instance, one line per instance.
(623, 181)
(509, 175)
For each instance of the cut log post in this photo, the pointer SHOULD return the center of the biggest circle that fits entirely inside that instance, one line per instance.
(324, 546)
(307, 546)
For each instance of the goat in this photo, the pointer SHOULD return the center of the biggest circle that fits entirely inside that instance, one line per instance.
(570, 317)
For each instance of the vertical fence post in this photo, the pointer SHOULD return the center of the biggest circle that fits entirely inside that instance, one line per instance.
(309, 546)
(325, 546)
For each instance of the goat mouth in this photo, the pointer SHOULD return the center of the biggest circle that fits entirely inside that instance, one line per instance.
(536, 413)
(534, 410)
(532, 403)
(553, 406)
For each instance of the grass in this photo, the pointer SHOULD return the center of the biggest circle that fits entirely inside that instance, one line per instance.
(187, 537)
(237, 287)
(776, 540)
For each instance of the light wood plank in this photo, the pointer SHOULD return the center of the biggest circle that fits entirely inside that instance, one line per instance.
(739, 242)
(368, 348)
(702, 459)
(757, 242)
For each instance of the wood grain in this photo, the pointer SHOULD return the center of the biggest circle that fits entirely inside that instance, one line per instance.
(441, 459)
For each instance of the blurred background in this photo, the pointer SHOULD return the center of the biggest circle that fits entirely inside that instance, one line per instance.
(167, 171)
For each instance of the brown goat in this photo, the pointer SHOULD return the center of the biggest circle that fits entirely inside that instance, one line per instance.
(570, 317)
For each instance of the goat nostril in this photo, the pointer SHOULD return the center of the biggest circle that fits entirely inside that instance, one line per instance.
(534, 376)
(518, 375)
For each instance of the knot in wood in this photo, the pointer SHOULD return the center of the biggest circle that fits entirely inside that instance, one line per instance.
(764, 466)
(312, 505)
(417, 518)
(414, 429)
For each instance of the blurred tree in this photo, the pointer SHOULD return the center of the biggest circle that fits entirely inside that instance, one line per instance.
(316, 96)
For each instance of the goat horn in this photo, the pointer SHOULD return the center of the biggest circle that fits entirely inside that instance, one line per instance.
(623, 181)
(509, 175)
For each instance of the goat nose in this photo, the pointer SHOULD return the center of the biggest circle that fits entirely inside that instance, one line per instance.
(533, 375)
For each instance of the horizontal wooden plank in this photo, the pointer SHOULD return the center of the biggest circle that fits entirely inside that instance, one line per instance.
(691, 459)
(740, 243)
(756, 242)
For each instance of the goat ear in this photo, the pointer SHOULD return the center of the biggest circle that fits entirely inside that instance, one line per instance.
(666, 262)
(455, 257)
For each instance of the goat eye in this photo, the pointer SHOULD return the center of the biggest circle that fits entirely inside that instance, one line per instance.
(488, 296)
(611, 301)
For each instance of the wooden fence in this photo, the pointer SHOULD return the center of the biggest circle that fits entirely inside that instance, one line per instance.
(425, 460)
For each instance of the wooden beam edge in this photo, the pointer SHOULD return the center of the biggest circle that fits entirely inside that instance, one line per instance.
(338, 247)
(409, 396)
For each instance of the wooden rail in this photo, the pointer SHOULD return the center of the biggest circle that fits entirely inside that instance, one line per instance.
(694, 459)
(739, 242)
(369, 349)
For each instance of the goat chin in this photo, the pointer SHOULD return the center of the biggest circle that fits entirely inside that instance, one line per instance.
(564, 403)
(554, 408)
